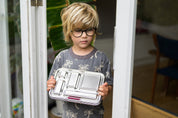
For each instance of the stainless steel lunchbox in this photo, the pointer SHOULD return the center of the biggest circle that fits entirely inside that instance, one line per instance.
(77, 86)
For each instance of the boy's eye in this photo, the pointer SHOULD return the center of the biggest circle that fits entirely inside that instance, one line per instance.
(83, 30)
(90, 29)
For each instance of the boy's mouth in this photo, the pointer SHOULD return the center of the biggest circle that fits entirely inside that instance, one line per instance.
(84, 41)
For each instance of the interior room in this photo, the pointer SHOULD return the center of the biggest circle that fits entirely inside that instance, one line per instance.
(161, 20)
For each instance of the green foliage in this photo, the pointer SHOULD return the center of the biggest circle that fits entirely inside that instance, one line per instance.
(54, 8)
(56, 37)
(55, 3)
(55, 34)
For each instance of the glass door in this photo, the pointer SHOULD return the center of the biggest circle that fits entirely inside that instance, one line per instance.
(11, 98)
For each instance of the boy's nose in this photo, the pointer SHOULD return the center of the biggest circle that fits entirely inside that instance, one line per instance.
(84, 34)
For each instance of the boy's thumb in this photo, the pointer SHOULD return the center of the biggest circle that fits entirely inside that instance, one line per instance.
(105, 84)
(52, 77)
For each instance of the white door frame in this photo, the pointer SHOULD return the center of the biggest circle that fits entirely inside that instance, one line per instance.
(5, 79)
(123, 57)
(34, 59)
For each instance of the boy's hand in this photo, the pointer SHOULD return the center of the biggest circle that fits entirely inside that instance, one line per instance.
(104, 90)
(51, 83)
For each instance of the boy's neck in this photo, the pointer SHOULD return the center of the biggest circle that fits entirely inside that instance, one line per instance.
(82, 51)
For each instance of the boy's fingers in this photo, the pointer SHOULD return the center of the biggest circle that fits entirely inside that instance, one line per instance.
(48, 89)
(101, 93)
(52, 77)
(51, 85)
(100, 89)
(105, 84)
(51, 82)
(103, 90)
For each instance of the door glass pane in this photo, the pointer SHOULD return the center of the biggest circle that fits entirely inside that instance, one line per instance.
(155, 17)
(15, 58)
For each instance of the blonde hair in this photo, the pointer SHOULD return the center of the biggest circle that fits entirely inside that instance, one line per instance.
(78, 15)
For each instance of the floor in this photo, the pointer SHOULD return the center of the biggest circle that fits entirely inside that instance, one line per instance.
(142, 83)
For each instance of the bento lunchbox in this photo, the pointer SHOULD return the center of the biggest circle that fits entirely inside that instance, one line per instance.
(77, 86)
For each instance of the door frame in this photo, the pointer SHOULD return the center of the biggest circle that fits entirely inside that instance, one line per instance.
(124, 42)
(34, 59)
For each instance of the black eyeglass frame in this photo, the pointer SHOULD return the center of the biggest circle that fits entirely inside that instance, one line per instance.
(85, 32)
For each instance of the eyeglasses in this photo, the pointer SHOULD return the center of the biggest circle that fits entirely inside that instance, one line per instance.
(78, 32)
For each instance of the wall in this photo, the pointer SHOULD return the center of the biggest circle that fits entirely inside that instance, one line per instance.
(143, 43)
(162, 12)
(107, 11)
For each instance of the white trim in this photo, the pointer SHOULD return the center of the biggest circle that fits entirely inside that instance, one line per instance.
(123, 57)
(25, 37)
(42, 61)
(34, 59)
(5, 80)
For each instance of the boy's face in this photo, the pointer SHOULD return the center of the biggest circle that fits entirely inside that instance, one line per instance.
(82, 38)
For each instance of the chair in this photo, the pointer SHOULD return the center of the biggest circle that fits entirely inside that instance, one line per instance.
(165, 48)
